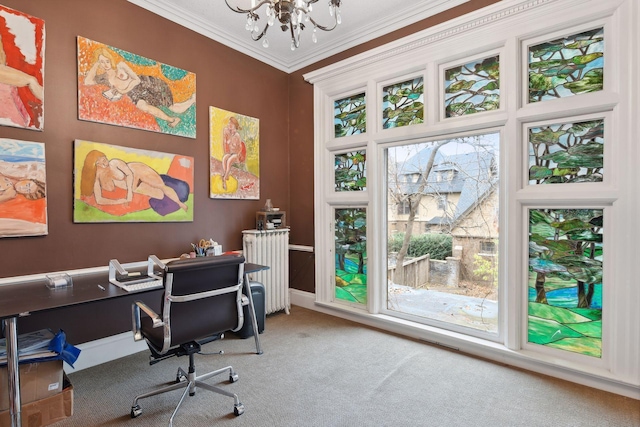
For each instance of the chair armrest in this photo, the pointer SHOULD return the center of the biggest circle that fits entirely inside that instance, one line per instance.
(156, 319)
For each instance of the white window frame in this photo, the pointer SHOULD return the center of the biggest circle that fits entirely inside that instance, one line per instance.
(506, 28)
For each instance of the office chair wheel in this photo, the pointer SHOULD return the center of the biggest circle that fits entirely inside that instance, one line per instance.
(136, 411)
(238, 409)
(233, 377)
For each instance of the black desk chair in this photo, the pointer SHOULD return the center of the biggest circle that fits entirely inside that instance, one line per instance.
(202, 298)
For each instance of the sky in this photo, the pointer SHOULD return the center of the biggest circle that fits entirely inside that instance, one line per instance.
(403, 152)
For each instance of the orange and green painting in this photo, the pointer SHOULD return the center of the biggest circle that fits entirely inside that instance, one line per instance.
(21, 69)
(23, 201)
(121, 184)
(234, 147)
(124, 89)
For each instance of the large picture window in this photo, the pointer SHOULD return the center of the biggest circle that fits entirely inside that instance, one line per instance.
(501, 199)
(437, 272)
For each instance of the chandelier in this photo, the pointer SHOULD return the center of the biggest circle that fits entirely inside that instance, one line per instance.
(292, 15)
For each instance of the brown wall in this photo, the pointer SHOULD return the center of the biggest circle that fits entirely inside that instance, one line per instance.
(225, 79)
(301, 139)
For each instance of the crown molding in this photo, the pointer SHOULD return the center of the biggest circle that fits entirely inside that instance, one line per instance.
(463, 24)
(298, 59)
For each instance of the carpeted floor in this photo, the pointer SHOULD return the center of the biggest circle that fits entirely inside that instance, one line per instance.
(319, 370)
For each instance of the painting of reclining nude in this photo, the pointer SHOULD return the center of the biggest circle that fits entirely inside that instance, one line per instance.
(23, 201)
(124, 89)
(121, 184)
(21, 69)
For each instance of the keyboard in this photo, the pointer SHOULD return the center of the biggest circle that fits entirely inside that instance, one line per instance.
(139, 286)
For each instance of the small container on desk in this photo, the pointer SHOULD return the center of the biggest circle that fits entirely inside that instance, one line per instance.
(270, 220)
(58, 281)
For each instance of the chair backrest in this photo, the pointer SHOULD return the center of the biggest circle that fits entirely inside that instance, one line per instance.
(202, 297)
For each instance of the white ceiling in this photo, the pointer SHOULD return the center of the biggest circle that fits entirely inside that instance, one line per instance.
(362, 20)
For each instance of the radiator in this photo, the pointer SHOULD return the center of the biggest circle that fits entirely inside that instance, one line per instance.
(270, 248)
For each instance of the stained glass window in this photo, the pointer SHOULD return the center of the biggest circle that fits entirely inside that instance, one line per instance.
(565, 279)
(567, 66)
(403, 104)
(472, 87)
(566, 153)
(351, 171)
(351, 255)
(350, 115)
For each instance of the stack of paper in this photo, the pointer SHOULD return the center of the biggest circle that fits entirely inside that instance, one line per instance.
(31, 346)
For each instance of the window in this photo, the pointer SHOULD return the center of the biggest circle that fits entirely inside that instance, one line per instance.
(404, 207)
(487, 247)
(422, 273)
(524, 169)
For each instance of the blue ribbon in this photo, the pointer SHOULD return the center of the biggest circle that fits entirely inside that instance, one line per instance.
(67, 352)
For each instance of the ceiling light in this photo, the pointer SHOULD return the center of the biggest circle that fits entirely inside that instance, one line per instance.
(292, 15)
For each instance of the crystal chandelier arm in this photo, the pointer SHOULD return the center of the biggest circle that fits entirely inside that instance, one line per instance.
(295, 40)
(262, 33)
(322, 27)
(250, 10)
(332, 3)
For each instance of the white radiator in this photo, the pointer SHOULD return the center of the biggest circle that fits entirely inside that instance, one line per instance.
(270, 248)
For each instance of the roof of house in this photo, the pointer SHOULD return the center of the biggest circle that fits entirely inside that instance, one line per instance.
(473, 177)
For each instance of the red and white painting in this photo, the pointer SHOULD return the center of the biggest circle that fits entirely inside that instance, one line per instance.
(21, 70)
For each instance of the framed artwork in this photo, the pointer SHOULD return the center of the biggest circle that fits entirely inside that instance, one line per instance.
(23, 196)
(121, 184)
(124, 89)
(21, 70)
(234, 147)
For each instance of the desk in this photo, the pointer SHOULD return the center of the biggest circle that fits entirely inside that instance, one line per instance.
(23, 298)
(248, 269)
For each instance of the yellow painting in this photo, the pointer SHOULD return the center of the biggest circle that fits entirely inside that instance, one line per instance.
(121, 184)
(234, 147)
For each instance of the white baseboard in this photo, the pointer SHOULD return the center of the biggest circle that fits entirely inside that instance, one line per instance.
(303, 299)
(105, 350)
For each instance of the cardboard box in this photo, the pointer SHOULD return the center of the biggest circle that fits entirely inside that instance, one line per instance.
(38, 380)
(45, 411)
